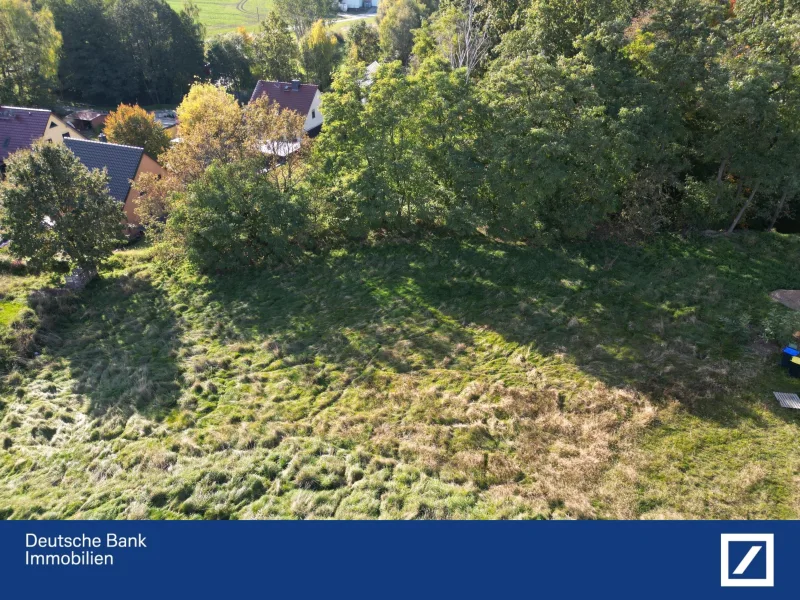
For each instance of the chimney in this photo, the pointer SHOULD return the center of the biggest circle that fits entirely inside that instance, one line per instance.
(295, 85)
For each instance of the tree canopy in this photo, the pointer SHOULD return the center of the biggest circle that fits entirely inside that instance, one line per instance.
(134, 126)
(29, 50)
(276, 54)
(54, 208)
(318, 49)
(128, 50)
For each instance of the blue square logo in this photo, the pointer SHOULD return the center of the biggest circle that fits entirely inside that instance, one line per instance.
(748, 560)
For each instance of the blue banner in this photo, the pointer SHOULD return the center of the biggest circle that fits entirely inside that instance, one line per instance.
(177, 560)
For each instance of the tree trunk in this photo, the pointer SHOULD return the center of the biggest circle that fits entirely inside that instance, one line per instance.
(778, 211)
(721, 171)
(744, 208)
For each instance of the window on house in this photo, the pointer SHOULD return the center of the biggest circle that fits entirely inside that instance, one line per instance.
(52, 124)
(313, 114)
(65, 135)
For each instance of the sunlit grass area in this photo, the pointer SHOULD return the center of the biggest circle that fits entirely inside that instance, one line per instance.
(344, 25)
(220, 16)
(440, 379)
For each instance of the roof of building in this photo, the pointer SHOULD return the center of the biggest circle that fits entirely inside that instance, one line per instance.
(369, 73)
(289, 96)
(122, 162)
(85, 115)
(20, 127)
(167, 118)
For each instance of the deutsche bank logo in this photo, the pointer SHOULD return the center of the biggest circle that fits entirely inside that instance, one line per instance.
(748, 560)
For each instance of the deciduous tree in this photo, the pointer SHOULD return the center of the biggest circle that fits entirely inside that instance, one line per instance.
(29, 48)
(165, 48)
(55, 208)
(232, 217)
(302, 14)
(363, 43)
(231, 59)
(396, 27)
(134, 126)
(318, 50)
(275, 52)
(211, 129)
(276, 137)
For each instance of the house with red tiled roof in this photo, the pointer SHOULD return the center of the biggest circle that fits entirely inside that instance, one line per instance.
(21, 127)
(302, 98)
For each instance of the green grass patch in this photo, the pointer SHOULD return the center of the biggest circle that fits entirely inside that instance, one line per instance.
(435, 379)
(9, 311)
(220, 16)
(344, 25)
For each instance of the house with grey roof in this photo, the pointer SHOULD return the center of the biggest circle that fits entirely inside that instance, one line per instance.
(124, 164)
(20, 127)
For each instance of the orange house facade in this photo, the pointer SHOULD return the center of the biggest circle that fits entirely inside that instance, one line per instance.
(124, 164)
(146, 165)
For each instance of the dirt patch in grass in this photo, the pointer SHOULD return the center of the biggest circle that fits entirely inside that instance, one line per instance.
(789, 298)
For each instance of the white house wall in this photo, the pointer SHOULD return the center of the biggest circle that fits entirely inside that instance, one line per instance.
(314, 117)
(359, 3)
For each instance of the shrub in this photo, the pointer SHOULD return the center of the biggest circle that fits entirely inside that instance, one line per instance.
(232, 217)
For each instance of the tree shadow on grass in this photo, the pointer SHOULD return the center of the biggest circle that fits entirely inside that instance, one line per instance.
(674, 319)
(121, 341)
(353, 311)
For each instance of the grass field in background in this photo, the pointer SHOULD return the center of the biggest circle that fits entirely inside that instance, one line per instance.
(345, 24)
(441, 379)
(220, 16)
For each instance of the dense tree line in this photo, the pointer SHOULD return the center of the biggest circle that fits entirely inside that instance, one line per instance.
(294, 41)
(683, 114)
(98, 51)
(127, 50)
(551, 118)
(274, 53)
(528, 119)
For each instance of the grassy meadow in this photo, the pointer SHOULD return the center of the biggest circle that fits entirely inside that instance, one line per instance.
(441, 379)
(220, 16)
(344, 25)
